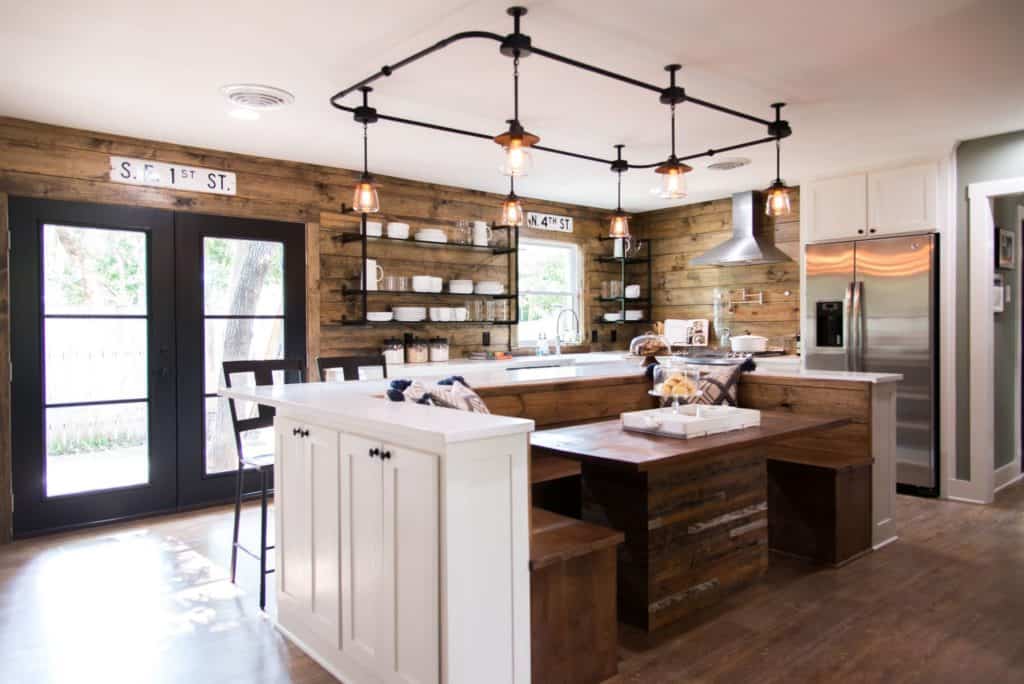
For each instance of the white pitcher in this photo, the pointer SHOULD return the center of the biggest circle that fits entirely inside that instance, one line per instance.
(481, 233)
(372, 275)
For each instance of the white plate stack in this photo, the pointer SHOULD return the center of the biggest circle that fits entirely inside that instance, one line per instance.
(431, 235)
(490, 287)
(410, 314)
(460, 286)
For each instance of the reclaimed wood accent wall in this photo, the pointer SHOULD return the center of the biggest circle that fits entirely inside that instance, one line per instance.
(684, 291)
(40, 160)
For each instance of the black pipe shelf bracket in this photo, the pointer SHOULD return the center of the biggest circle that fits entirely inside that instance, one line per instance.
(518, 45)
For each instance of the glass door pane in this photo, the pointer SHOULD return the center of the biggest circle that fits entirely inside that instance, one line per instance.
(95, 359)
(243, 311)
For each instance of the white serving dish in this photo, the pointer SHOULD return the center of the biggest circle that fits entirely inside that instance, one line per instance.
(690, 420)
(398, 231)
(410, 314)
(749, 343)
(379, 316)
(634, 314)
(460, 286)
(422, 283)
(431, 235)
(490, 287)
(614, 316)
(440, 313)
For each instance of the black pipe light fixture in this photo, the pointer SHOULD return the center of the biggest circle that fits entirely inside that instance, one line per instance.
(517, 144)
(618, 227)
(365, 199)
(777, 200)
(511, 208)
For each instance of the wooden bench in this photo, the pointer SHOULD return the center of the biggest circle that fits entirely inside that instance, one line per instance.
(556, 484)
(573, 618)
(819, 505)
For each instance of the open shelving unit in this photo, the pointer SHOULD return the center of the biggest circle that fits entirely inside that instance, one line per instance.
(510, 250)
(622, 300)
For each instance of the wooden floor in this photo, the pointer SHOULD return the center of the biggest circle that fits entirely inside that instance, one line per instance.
(150, 602)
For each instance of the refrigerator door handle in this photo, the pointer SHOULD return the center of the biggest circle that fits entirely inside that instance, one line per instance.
(848, 341)
(858, 325)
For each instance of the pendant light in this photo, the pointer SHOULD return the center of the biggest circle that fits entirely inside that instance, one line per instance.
(516, 142)
(511, 208)
(777, 201)
(618, 227)
(673, 172)
(365, 199)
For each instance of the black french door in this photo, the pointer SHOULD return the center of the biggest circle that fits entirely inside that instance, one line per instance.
(120, 317)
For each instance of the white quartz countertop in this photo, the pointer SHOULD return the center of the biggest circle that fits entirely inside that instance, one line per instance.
(363, 408)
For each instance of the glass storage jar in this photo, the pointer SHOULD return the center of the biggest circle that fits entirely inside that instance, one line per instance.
(438, 349)
(417, 351)
(393, 351)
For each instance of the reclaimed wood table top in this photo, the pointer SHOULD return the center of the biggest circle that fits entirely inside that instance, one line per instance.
(608, 443)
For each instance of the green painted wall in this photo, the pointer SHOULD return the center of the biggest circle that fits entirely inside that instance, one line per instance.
(1005, 340)
(982, 159)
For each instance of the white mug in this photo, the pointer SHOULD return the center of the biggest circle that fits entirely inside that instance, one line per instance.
(370, 282)
(481, 233)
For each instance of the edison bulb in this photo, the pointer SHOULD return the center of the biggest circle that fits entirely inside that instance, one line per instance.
(512, 212)
(777, 203)
(517, 159)
(364, 199)
(619, 226)
(673, 184)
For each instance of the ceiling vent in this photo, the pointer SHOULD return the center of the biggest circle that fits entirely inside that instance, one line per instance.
(728, 164)
(257, 97)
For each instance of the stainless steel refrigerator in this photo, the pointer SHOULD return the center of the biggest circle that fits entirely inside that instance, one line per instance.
(872, 306)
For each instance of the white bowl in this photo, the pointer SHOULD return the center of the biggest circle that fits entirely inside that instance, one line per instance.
(634, 314)
(422, 283)
(491, 287)
(374, 228)
(431, 235)
(410, 314)
(616, 316)
(440, 313)
(398, 231)
(379, 316)
(436, 284)
(460, 286)
(460, 313)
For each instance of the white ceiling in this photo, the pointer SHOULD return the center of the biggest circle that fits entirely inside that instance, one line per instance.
(868, 83)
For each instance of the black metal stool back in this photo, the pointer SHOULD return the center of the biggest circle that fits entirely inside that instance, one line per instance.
(263, 371)
(350, 365)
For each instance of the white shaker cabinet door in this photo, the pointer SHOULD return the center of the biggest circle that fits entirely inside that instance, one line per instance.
(903, 200)
(411, 563)
(834, 209)
(364, 628)
(293, 519)
(323, 499)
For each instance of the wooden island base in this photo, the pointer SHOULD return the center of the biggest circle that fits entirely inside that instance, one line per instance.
(694, 512)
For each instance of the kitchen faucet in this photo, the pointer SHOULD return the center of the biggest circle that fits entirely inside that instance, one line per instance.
(558, 329)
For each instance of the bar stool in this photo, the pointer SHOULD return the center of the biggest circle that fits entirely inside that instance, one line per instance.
(350, 365)
(293, 371)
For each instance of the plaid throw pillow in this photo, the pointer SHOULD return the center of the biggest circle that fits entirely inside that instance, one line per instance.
(717, 384)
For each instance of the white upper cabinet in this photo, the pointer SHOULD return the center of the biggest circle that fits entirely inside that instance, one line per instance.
(834, 209)
(887, 202)
(902, 200)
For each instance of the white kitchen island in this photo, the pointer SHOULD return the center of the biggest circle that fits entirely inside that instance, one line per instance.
(402, 535)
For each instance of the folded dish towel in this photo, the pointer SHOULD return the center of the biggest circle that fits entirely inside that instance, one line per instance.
(453, 392)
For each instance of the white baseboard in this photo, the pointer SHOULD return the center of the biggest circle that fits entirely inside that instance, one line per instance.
(1007, 475)
(884, 543)
(961, 499)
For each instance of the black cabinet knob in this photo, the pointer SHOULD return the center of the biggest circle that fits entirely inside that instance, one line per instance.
(304, 433)
(860, 231)
(872, 230)
(386, 454)
(374, 452)
(296, 431)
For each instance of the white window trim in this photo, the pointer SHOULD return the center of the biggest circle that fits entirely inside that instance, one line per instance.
(576, 277)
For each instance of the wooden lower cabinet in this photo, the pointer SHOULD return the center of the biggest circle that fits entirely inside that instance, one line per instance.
(358, 539)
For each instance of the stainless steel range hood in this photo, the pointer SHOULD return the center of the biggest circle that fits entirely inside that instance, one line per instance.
(751, 243)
